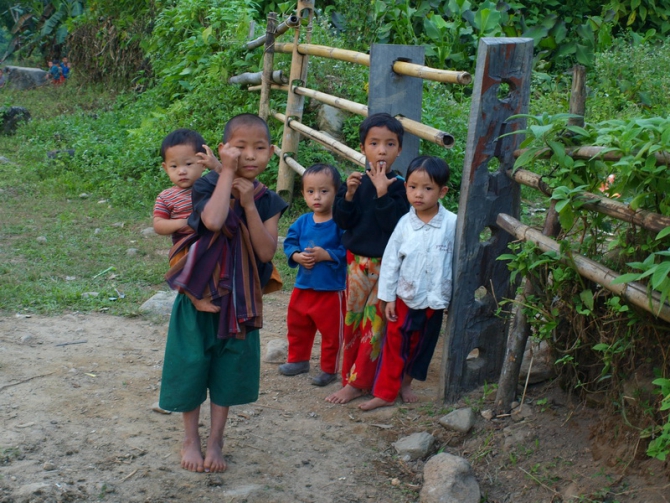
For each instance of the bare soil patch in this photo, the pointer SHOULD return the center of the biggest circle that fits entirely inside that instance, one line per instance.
(76, 425)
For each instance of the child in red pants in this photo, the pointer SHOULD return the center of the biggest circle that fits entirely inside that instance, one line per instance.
(415, 282)
(314, 243)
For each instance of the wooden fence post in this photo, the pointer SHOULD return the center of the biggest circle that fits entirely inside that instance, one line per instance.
(396, 94)
(268, 63)
(295, 103)
(501, 89)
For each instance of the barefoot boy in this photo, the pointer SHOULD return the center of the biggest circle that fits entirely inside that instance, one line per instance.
(415, 283)
(368, 209)
(314, 243)
(236, 218)
(185, 157)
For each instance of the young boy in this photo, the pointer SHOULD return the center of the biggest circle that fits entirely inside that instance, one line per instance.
(236, 219)
(368, 209)
(415, 283)
(185, 156)
(314, 243)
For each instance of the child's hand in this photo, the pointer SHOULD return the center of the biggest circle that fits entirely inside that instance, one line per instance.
(320, 255)
(390, 312)
(353, 182)
(229, 156)
(243, 190)
(305, 259)
(377, 174)
(209, 160)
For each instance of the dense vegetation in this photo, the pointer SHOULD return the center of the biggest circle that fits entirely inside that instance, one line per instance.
(143, 68)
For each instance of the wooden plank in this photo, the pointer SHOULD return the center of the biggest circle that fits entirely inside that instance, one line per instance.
(501, 89)
(396, 94)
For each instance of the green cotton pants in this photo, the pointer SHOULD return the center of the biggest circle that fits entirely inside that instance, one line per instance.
(196, 360)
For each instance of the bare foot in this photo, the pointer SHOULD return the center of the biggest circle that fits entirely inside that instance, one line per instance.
(345, 395)
(204, 305)
(375, 403)
(408, 395)
(214, 461)
(191, 456)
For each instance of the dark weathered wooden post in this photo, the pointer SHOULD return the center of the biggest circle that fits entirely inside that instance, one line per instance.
(268, 64)
(396, 94)
(501, 89)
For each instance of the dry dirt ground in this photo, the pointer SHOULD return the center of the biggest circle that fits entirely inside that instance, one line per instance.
(76, 425)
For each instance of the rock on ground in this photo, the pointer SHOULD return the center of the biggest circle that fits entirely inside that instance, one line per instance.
(416, 446)
(460, 420)
(160, 304)
(449, 479)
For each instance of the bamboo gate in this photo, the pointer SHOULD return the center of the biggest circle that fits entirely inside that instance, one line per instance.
(490, 189)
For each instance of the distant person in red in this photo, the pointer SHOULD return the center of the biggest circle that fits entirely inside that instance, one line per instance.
(54, 72)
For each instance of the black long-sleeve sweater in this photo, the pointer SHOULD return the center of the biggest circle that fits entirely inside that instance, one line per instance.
(368, 221)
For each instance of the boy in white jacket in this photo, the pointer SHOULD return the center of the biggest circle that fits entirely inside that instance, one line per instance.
(415, 283)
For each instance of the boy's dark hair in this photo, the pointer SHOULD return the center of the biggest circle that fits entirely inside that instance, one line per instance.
(381, 120)
(244, 120)
(435, 167)
(183, 137)
(320, 168)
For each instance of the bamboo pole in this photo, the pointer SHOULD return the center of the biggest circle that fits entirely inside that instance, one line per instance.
(290, 22)
(326, 52)
(428, 73)
(253, 78)
(325, 140)
(292, 163)
(591, 152)
(645, 219)
(419, 129)
(399, 67)
(268, 63)
(295, 103)
(633, 292)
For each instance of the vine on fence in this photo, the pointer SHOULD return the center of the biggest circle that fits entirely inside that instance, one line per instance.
(604, 345)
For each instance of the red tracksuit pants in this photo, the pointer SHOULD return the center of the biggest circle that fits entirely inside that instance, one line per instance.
(408, 347)
(309, 311)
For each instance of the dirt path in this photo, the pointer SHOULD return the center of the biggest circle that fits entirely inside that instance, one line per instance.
(76, 425)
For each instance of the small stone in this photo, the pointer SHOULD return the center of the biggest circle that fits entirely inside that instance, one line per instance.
(514, 404)
(395, 482)
(118, 224)
(49, 466)
(97, 231)
(488, 414)
(70, 278)
(131, 252)
(276, 351)
(83, 195)
(460, 420)
(87, 295)
(102, 201)
(41, 239)
(26, 339)
(148, 232)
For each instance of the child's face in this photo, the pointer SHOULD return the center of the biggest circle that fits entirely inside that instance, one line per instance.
(181, 165)
(381, 147)
(319, 192)
(255, 150)
(423, 193)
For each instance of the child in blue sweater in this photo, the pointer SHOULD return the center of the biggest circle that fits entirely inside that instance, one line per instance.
(314, 243)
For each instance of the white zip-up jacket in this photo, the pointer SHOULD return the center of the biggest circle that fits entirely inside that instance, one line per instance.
(417, 261)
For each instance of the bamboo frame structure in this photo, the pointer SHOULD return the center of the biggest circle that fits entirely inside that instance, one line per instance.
(591, 152)
(645, 219)
(291, 21)
(419, 129)
(399, 67)
(325, 140)
(290, 161)
(633, 292)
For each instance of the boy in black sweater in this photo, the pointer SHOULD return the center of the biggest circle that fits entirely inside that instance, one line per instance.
(368, 208)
